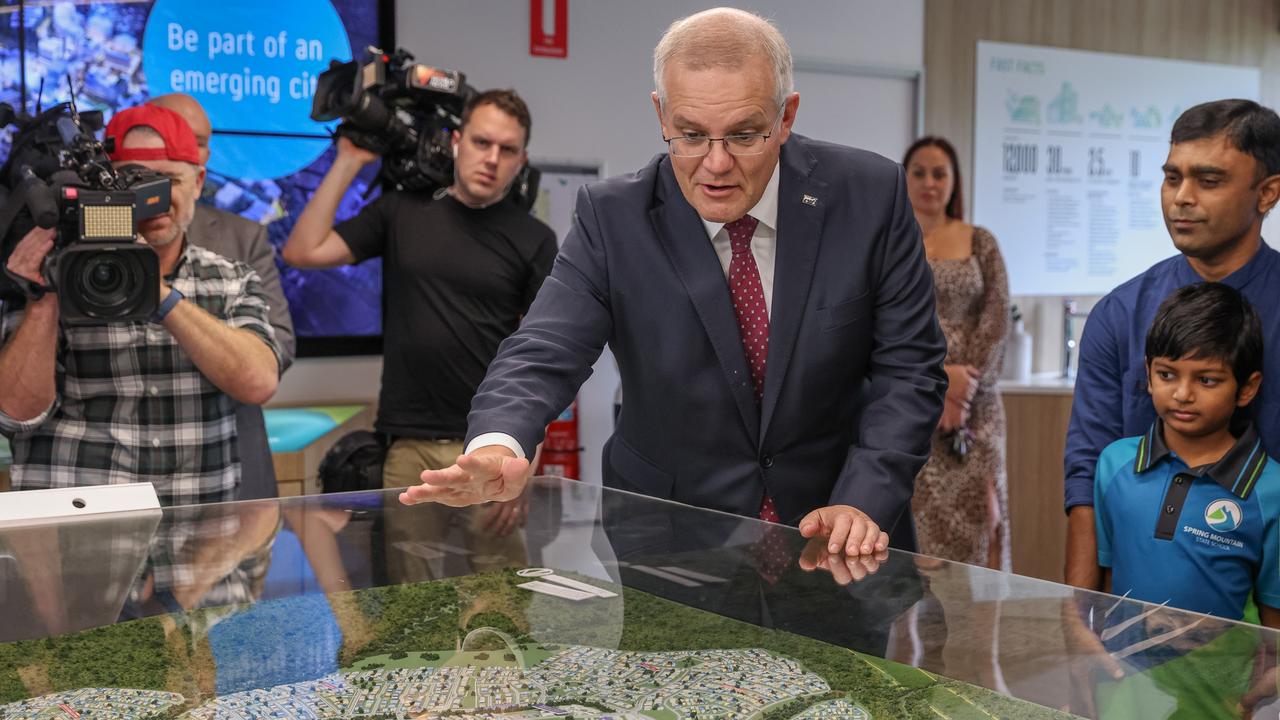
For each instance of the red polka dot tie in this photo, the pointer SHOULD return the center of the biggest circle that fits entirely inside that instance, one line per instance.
(768, 512)
(748, 299)
(747, 290)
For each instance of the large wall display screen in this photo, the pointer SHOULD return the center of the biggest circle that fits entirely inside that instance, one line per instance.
(1067, 156)
(253, 66)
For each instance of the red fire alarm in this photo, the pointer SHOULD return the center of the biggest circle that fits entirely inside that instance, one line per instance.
(549, 28)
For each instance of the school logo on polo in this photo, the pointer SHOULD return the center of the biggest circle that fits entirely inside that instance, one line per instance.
(1223, 515)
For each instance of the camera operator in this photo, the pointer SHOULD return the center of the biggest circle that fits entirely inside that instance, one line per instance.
(140, 401)
(459, 271)
(235, 237)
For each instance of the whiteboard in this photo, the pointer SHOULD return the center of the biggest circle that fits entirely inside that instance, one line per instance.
(558, 191)
(868, 112)
(1067, 153)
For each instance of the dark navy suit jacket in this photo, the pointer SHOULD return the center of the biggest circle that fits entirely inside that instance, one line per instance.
(854, 384)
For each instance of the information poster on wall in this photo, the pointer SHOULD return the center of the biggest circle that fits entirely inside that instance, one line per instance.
(1068, 149)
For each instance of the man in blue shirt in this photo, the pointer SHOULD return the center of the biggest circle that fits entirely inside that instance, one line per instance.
(1222, 177)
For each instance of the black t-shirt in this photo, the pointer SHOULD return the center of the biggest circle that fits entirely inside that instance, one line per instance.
(455, 282)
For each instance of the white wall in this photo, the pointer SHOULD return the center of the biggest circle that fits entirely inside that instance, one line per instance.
(330, 379)
(594, 107)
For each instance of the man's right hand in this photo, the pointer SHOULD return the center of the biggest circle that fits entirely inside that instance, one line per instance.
(490, 474)
(348, 150)
(27, 258)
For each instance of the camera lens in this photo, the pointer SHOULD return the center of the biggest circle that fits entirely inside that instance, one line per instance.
(102, 278)
(105, 276)
(108, 282)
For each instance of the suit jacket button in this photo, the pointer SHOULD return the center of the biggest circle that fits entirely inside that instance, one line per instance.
(766, 461)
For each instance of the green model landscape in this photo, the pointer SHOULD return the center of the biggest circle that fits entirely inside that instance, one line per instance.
(472, 628)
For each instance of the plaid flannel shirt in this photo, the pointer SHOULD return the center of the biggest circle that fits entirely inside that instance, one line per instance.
(200, 553)
(131, 406)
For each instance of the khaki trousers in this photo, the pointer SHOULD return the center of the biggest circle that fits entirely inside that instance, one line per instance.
(431, 541)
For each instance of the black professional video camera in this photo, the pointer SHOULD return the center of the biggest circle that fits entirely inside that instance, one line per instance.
(59, 175)
(406, 112)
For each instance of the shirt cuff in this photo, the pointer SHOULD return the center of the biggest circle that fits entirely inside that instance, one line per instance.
(264, 332)
(1078, 493)
(1269, 599)
(11, 427)
(496, 438)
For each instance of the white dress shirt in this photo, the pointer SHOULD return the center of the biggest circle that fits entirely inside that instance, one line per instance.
(764, 245)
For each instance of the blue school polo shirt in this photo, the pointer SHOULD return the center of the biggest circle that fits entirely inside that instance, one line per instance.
(1201, 539)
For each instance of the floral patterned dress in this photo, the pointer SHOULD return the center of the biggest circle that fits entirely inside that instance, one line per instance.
(953, 493)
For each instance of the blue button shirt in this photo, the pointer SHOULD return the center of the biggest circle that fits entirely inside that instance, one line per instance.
(1205, 545)
(1111, 398)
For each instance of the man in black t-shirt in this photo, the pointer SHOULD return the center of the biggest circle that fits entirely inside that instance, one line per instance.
(458, 273)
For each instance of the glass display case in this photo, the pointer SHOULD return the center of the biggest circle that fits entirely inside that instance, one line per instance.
(577, 602)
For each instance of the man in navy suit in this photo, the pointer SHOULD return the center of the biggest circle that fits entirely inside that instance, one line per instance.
(768, 302)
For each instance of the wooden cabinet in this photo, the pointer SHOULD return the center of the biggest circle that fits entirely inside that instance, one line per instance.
(1037, 431)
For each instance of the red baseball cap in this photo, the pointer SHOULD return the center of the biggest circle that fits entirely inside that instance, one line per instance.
(179, 140)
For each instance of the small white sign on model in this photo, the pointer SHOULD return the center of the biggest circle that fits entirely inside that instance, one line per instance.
(548, 583)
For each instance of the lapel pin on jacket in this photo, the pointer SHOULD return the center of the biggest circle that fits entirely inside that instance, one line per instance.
(809, 200)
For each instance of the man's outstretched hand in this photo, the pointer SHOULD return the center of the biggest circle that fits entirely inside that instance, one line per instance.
(489, 474)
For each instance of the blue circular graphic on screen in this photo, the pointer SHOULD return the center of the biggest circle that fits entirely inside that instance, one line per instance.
(253, 66)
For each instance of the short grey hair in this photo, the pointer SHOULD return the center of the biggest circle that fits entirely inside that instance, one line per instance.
(725, 38)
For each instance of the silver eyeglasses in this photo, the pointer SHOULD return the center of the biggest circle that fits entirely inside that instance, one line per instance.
(739, 144)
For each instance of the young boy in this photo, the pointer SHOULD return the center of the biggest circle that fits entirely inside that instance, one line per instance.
(1188, 514)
